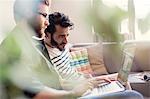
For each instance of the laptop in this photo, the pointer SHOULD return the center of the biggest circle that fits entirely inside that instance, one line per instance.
(118, 85)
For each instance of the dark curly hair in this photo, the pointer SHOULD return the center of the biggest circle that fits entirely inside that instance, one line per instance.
(58, 18)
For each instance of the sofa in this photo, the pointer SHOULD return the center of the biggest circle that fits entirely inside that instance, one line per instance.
(104, 58)
(107, 58)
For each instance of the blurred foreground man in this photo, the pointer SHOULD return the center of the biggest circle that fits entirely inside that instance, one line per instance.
(24, 70)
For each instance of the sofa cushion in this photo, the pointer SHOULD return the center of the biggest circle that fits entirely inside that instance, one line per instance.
(80, 61)
(95, 54)
(112, 55)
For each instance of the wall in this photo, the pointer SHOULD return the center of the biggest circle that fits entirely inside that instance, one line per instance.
(6, 17)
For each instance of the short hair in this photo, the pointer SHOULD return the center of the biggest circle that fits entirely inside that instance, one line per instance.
(58, 18)
(21, 8)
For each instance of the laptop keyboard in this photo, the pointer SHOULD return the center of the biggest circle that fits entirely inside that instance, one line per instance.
(114, 86)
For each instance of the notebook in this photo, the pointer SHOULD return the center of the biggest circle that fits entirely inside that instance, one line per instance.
(118, 85)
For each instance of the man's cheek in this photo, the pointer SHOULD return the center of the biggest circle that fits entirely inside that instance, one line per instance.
(62, 46)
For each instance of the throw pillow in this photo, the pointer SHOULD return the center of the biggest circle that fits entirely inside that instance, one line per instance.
(95, 54)
(80, 61)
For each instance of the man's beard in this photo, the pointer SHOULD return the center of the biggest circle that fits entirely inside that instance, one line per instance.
(39, 31)
(54, 43)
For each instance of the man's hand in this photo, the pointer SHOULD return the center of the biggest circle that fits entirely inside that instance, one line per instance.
(113, 77)
(96, 81)
(88, 84)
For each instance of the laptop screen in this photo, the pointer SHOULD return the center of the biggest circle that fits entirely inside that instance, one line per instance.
(126, 66)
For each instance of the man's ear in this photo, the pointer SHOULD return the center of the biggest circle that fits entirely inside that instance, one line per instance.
(47, 35)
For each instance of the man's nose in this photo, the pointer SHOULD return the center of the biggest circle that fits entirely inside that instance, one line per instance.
(46, 23)
(65, 40)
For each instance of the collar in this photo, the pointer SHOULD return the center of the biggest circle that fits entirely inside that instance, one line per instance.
(37, 38)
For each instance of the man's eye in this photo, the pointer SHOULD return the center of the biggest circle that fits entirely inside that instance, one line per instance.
(43, 14)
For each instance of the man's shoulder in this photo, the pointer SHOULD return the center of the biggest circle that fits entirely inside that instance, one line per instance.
(10, 45)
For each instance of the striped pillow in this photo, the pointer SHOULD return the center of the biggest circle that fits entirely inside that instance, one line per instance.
(80, 61)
